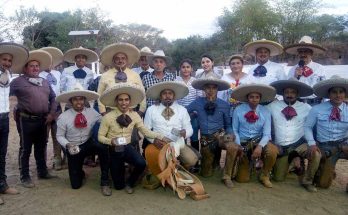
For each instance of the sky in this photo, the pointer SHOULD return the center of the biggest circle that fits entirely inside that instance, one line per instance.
(178, 18)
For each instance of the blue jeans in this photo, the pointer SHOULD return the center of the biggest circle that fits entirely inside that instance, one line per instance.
(4, 130)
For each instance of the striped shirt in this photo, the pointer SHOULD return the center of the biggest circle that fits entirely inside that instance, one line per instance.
(192, 95)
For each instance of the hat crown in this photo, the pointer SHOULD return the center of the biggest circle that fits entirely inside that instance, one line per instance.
(306, 39)
(78, 86)
(146, 49)
(159, 53)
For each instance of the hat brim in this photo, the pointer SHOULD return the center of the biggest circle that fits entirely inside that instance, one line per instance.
(108, 53)
(303, 89)
(167, 59)
(180, 89)
(57, 55)
(200, 83)
(41, 56)
(70, 55)
(241, 92)
(292, 49)
(274, 47)
(321, 89)
(65, 97)
(19, 55)
(136, 93)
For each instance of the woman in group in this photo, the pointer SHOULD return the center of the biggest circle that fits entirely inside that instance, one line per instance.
(207, 63)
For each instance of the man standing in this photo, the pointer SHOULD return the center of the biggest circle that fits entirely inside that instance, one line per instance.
(288, 118)
(11, 54)
(144, 66)
(53, 78)
(36, 108)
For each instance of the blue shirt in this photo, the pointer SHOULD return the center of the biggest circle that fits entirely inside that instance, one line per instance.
(210, 124)
(244, 130)
(326, 129)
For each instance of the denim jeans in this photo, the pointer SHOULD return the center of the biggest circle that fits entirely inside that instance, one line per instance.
(4, 130)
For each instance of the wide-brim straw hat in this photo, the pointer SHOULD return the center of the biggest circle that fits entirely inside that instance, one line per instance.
(108, 53)
(321, 89)
(145, 51)
(302, 89)
(274, 47)
(19, 55)
(159, 54)
(77, 91)
(136, 93)
(70, 55)
(57, 55)
(304, 43)
(180, 89)
(241, 92)
(200, 83)
(41, 56)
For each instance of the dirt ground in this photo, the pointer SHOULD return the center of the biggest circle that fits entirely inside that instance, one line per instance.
(56, 197)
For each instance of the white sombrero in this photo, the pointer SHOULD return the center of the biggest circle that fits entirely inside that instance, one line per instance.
(241, 92)
(304, 43)
(274, 47)
(70, 55)
(136, 93)
(19, 55)
(302, 88)
(57, 55)
(159, 54)
(321, 89)
(180, 89)
(200, 83)
(41, 56)
(145, 51)
(77, 91)
(108, 53)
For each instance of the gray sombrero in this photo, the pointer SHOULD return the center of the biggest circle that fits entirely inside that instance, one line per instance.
(302, 88)
(77, 91)
(70, 55)
(41, 56)
(19, 55)
(136, 93)
(57, 55)
(304, 43)
(321, 89)
(108, 53)
(241, 92)
(180, 89)
(200, 83)
(274, 47)
(159, 54)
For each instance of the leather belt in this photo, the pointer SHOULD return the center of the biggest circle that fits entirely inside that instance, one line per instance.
(32, 116)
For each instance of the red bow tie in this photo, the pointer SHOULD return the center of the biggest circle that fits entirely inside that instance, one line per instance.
(251, 116)
(289, 112)
(306, 71)
(80, 121)
(335, 114)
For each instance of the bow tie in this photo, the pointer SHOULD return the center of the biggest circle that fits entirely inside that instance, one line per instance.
(124, 120)
(36, 81)
(80, 121)
(51, 79)
(80, 74)
(167, 113)
(251, 117)
(260, 71)
(306, 71)
(210, 107)
(289, 112)
(335, 114)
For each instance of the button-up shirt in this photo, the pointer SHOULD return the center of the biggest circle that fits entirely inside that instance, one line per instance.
(287, 132)
(68, 80)
(210, 124)
(140, 70)
(150, 79)
(57, 75)
(275, 72)
(180, 120)
(193, 93)
(108, 80)
(68, 133)
(244, 130)
(4, 98)
(326, 129)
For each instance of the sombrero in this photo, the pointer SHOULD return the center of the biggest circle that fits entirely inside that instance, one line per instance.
(70, 55)
(19, 53)
(77, 91)
(302, 88)
(240, 93)
(57, 55)
(179, 89)
(108, 53)
(274, 47)
(41, 56)
(136, 93)
(145, 51)
(200, 83)
(304, 43)
(159, 54)
(321, 89)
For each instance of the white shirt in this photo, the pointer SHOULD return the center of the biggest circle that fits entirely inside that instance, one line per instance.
(68, 133)
(139, 70)
(226, 94)
(4, 98)
(56, 74)
(275, 72)
(68, 81)
(287, 132)
(180, 120)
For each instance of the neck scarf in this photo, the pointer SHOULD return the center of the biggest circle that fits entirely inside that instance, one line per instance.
(120, 76)
(260, 71)
(4, 79)
(306, 71)
(210, 107)
(51, 79)
(80, 121)
(167, 113)
(80, 74)
(335, 114)
(124, 120)
(251, 116)
(289, 112)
